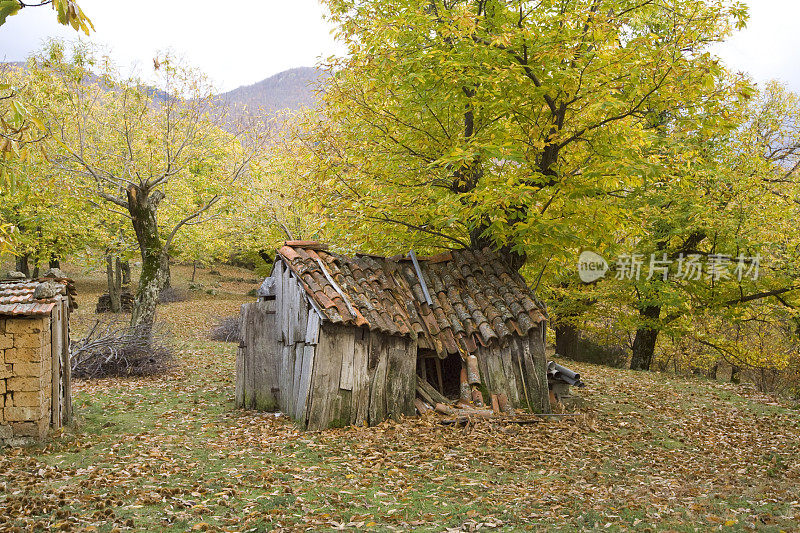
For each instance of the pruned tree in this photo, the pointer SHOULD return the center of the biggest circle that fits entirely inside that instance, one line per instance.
(151, 154)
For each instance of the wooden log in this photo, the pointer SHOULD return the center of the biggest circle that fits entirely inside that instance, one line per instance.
(424, 395)
(444, 409)
(495, 404)
(432, 393)
(421, 406)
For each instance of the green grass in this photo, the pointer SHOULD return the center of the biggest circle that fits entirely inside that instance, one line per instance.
(173, 454)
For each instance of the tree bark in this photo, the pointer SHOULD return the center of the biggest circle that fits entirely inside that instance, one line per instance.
(644, 344)
(125, 268)
(114, 289)
(54, 262)
(142, 206)
(22, 265)
(567, 336)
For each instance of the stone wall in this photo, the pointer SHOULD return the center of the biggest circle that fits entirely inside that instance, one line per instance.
(25, 378)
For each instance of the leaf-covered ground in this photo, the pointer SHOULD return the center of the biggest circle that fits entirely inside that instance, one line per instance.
(172, 454)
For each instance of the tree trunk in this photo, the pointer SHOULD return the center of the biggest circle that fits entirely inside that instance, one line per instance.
(142, 206)
(567, 336)
(54, 262)
(644, 344)
(22, 265)
(194, 270)
(118, 274)
(114, 290)
(735, 371)
(125, 268)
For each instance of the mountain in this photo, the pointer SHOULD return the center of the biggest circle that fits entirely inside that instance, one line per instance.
(291, 89)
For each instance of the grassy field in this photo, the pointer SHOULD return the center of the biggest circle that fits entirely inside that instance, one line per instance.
(654, 452)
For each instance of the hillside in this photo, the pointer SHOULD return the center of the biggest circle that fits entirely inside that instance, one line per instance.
(291, 89)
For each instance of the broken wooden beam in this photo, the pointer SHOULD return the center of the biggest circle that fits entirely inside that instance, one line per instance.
(429, 392)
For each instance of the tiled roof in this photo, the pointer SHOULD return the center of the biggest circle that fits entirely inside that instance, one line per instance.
(475, 299)
(16, 297)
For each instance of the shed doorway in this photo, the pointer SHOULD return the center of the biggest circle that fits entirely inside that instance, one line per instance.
(444, 375)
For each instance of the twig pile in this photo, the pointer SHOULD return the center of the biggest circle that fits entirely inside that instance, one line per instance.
(226, 330)
(110, 349)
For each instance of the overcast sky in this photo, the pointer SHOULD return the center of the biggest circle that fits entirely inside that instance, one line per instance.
(253, 39)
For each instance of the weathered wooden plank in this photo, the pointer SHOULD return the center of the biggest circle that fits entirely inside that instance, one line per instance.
(249, 374)
(401, 378)
(291, 312)
(277, 274)
(287, 367)
(359, 414)
(324, 400)
(539, 360)
(512, 379)
(346, 376)
(298, 373)
(498, 382)
(261, 352)
(66, 367)
(304, 389)
(312, 327)
(301, 323)
(241, 360)
(429, 393)
(56, 316)
(377, 388)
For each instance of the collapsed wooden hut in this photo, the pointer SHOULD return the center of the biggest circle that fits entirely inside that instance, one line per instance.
(337, 340)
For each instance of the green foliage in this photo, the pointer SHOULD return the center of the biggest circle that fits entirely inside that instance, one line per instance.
(487, 122)
(68, 13)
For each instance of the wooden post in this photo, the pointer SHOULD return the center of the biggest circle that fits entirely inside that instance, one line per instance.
(66, 363)
(439, 375)
(55, 375)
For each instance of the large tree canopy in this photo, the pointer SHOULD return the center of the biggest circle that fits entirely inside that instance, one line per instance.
(489, 123)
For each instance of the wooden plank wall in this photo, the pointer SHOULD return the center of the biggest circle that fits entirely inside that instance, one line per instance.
(518, 370)
(360, 377)
(257, 384)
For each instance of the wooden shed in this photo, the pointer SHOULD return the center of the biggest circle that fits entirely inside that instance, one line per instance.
(337, 340)
(34, 349)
